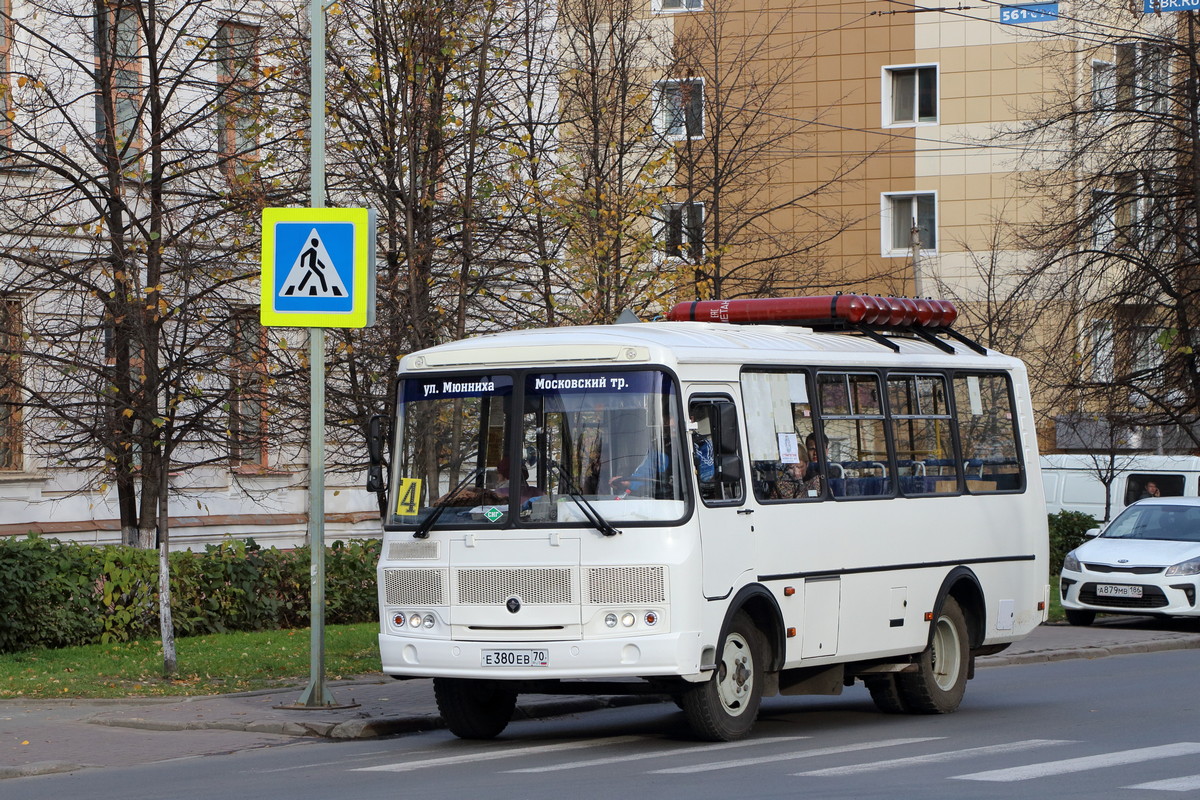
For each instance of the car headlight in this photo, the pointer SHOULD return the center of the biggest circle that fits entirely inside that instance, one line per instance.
(1190, 567)
(1071, 562)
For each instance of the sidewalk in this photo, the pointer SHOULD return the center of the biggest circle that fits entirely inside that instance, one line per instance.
(44, 736)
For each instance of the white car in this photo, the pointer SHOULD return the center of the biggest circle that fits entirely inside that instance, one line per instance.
(1146, 561)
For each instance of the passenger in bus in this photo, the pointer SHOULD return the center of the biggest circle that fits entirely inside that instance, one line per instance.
(1150, 490)
(525, 492)
(652, 477)
(813, 479)
(791, 483)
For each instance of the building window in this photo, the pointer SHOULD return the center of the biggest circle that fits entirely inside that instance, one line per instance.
(910, 95)
(118, 73)
(1134, 211)
(909, 222)
(1099, 351)
(681, 108)
(235, 54)
(683, 231)
(678, 5)
(11, 349)
(248, 405)
(1136, 79)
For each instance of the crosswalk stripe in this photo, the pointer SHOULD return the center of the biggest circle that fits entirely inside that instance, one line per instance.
(823, 751)
(932, 758)
(1085, 763)
(704, 748)
(1189, 783)
(498, 753)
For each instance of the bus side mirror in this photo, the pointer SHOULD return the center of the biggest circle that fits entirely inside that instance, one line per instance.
(375, 454)
(728, 428)
(729, 469)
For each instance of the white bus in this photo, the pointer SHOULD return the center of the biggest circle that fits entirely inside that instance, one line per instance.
(720, 510)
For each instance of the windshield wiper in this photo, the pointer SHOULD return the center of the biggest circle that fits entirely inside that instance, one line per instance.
(422, 531)
(573, 491)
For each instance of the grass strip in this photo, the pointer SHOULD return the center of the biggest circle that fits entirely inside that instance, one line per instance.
(212, 664)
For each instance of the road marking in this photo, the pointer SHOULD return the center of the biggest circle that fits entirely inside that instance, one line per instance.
(1085, 763)
(1189, 783)
(495, 754)
(824, 751)
(931, 758)
(704, 748)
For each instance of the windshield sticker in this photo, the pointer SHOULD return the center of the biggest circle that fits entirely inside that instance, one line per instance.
(644, 382)
(466, 386)
(408, 497)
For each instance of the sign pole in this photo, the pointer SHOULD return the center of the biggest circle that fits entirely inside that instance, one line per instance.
(316, 695)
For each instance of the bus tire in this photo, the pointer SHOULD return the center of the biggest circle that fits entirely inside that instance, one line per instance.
(886, 694)
(725, 707)
(1079, 616)
(938, 684)
(474, 709)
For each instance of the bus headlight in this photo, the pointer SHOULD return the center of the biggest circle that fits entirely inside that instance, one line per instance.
(415, 620)
(610, 620)
(429, 621)
(628, 619)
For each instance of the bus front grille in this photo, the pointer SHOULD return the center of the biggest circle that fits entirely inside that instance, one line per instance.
(534, 586)
(413, 550)
(625, 585)
(414, 587)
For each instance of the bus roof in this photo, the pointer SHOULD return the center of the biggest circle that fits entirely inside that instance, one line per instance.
(670, 343)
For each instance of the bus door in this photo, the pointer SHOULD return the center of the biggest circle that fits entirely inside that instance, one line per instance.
(726, 522)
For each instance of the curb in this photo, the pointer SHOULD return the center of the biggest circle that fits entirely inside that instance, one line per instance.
(1096, 651)
(369, 728)
(40, 768)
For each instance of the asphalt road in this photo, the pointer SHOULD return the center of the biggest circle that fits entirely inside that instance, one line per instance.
(1122, 726)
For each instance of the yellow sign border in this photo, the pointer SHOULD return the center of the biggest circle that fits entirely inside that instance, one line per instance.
(362, 312)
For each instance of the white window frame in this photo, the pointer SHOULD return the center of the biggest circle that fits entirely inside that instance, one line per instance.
(676, 6)
(887, 202)
(686, 242)
(664, 115)
(887, 91)
(1099, 344)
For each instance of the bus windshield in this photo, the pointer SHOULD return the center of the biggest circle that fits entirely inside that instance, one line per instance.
(602, 442)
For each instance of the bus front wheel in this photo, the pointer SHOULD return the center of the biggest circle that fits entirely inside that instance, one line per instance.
(937, 686)
(724, 707)
(474, 709)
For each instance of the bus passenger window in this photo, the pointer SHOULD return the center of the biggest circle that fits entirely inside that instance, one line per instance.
(715, 452)
(780, 433)
(920, 420)
(851, 408)
(987, 431)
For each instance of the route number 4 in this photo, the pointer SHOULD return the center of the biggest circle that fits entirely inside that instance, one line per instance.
(408, 497)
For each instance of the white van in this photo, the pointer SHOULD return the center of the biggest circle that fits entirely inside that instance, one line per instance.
(1072, 481)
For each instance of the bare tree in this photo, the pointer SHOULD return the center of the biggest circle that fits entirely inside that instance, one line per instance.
(131, 172)
(1114, 158)
(730, 80)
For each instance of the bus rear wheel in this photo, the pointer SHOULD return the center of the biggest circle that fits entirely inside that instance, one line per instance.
(474, 709)
(724, 707)
(938, 684)
(886, 694)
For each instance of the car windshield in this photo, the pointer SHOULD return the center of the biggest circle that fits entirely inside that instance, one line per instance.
(541, 448)
(1169, 522)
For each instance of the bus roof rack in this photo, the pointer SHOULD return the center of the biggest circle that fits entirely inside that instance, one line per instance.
(870, 315)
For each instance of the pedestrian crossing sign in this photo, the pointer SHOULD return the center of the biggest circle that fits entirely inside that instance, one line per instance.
(318, 267)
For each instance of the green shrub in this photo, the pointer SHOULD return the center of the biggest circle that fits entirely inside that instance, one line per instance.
(1067, 530)
(58, 594)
